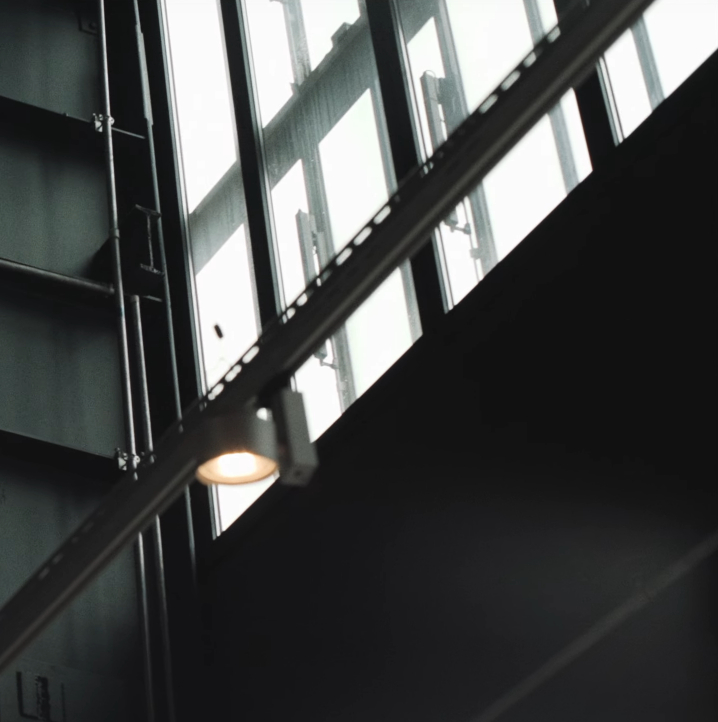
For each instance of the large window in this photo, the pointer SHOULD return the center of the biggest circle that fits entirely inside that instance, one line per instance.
(459, 51)
(655, 56)
(325, 154)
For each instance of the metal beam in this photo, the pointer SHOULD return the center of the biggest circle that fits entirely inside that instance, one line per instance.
(398, 231)
(54, 282)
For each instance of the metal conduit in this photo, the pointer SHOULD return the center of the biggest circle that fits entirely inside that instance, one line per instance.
(154, 531)
(560, 61)
(106, 121)
(23, 271)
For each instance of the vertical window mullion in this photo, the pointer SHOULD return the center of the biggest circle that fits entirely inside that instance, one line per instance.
(648, 63)
(249, 135)
(318, 206)
(317, 202)
(593, 97)
(556, 116)
(386, 36)
(456, 110)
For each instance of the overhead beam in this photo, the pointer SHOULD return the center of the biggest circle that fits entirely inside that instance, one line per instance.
(556, 64)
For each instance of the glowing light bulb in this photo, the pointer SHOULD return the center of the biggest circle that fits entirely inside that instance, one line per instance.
(236, 468)
(241, 464)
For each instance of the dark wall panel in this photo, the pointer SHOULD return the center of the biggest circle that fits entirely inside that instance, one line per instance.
(513, 479)
(53, 208)
(59, 376)
(46, 59)
(93, 647)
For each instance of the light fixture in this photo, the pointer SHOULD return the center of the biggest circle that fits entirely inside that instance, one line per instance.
(237, 448)
(246, 446)
(238, 467)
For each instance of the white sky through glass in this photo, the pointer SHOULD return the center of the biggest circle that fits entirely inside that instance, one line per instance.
(683, 33)
(206, 125)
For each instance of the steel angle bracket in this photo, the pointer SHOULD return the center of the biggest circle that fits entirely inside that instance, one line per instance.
(557, 63)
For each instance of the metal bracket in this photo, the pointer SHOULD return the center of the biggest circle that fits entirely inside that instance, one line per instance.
(125, 461)
(98, 120)
(87, 23)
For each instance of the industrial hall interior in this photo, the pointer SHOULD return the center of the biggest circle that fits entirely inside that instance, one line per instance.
(358, 360)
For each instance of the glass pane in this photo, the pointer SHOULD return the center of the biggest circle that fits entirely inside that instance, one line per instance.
(627, 83)
(318, 383)
(353, 171)
(202, 99)
(459, 51)
(323, 19)
(491, 38)
(224, 289)
(233, 501)
(577, 139)
(524, 188)
(271, 56)
(289, 197)
(683, 33)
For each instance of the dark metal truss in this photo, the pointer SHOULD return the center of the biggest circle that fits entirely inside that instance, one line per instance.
(559, 61)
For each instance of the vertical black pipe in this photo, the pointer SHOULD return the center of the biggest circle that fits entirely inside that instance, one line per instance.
(141, 368)
(114, 237)
(185, 526)
(155, 531)
(145, 624)
(149, 128)
(251, 152)
(386, 36)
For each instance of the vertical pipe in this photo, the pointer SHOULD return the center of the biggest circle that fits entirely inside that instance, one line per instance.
(149, 123)
(115, 242)
(155, 530)
(145, 623)
(144, 396)
(400, 141)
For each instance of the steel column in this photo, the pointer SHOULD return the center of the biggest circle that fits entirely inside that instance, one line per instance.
(251, 152)
(394, 81)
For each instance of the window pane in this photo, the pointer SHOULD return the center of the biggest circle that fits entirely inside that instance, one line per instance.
(491, 38)
(524, 188)
(683, 33)
(270, 54)
(224, 289)
(459, 51)
(627, 83)
(203, 106)
(324, 18)
(650, 61)
(353, 171)
(233, 501)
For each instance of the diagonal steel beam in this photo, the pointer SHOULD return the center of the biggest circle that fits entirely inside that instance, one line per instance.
(559, 62)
